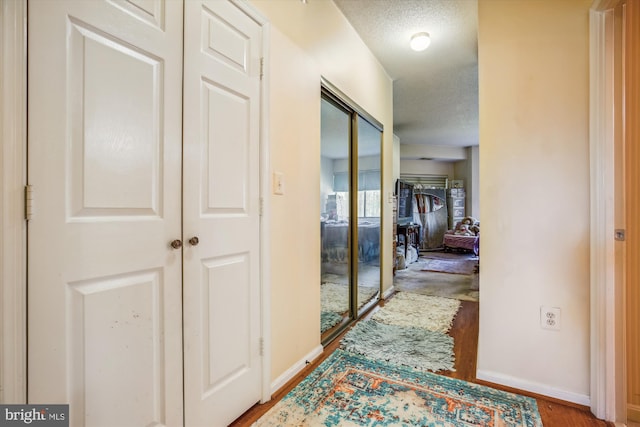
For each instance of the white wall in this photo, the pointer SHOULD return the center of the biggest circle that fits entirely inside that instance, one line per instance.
(534, 194)
(468, 171)
(473, 193)
(437, 152)
(426, 167)
(396, 158)
(309, 41)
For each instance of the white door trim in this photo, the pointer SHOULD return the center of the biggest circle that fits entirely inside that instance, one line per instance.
(607, 346)
(265, 200)
(13, 146)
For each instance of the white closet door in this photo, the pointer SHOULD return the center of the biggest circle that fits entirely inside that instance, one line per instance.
(105, 116)
(221, 208)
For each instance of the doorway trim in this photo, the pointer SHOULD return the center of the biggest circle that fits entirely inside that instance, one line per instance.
(265, 200)
(13, 230)
(607, 320)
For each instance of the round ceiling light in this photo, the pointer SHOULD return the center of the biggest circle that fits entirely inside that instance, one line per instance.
(420, 41)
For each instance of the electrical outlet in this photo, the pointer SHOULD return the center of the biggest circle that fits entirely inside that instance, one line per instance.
(550, 318)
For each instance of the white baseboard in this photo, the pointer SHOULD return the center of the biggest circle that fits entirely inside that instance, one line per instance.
(388, 292)
(294, 370)
(545, 390)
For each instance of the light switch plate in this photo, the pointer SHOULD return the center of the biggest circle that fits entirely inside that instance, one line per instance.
(278, 183)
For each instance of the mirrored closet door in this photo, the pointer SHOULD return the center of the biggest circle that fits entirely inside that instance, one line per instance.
(350, 196)
(369, 208)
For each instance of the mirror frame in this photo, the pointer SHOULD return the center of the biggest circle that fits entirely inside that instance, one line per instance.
(333, 94)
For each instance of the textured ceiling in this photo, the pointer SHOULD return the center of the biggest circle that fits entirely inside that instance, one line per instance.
(435, 92)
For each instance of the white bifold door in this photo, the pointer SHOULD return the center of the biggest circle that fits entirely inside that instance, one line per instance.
(143, 248)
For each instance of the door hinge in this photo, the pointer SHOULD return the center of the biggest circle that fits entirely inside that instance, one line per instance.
(261, 346)
(261, 209)
(261, 68)
(28, 202)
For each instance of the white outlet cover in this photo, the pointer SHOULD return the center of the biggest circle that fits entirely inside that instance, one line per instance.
(550, 318)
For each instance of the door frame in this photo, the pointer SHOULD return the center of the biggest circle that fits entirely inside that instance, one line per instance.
(608, 393)
(265, 200)
(13, 230)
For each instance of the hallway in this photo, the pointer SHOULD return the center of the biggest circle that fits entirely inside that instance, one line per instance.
(465, 333)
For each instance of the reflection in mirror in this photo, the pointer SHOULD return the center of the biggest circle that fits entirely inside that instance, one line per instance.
(429, 203)
(335, 140)
(350, 200)
(431, 213)
(369, 207)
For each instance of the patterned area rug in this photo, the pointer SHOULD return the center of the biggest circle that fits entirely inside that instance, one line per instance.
(423, 311)
(462, 266)
(350, 390)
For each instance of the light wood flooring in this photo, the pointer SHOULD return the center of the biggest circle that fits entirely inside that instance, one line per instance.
(554, 413)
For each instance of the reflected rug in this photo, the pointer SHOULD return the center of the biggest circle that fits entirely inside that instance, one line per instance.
(416, 348)
(329, 319)
(350, 390)
(422, 311)
(335, 296)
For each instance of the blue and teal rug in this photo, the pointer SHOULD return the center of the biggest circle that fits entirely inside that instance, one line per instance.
(350, 390)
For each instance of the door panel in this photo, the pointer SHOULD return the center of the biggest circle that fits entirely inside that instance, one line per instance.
(105, 307)
(227, 164)
(115, 168)
(221, 207)
(132, 329)
(151, 12)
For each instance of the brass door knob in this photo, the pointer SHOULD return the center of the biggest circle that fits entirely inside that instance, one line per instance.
(176, 244)
(194, 241)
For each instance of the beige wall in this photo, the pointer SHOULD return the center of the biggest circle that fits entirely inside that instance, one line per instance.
(534, 194)
(309, 41)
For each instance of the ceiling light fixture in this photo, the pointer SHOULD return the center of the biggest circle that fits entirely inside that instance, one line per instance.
(420, 41)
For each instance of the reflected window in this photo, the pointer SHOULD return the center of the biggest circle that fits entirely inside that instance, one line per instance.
(350, 200)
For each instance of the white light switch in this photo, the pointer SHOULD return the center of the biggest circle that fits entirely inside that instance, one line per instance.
(278, 183)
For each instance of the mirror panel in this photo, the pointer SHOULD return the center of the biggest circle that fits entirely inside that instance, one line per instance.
(335, 140)
(369, 209)
(350, 215)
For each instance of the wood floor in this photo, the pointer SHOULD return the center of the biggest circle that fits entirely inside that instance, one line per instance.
(554, 413)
